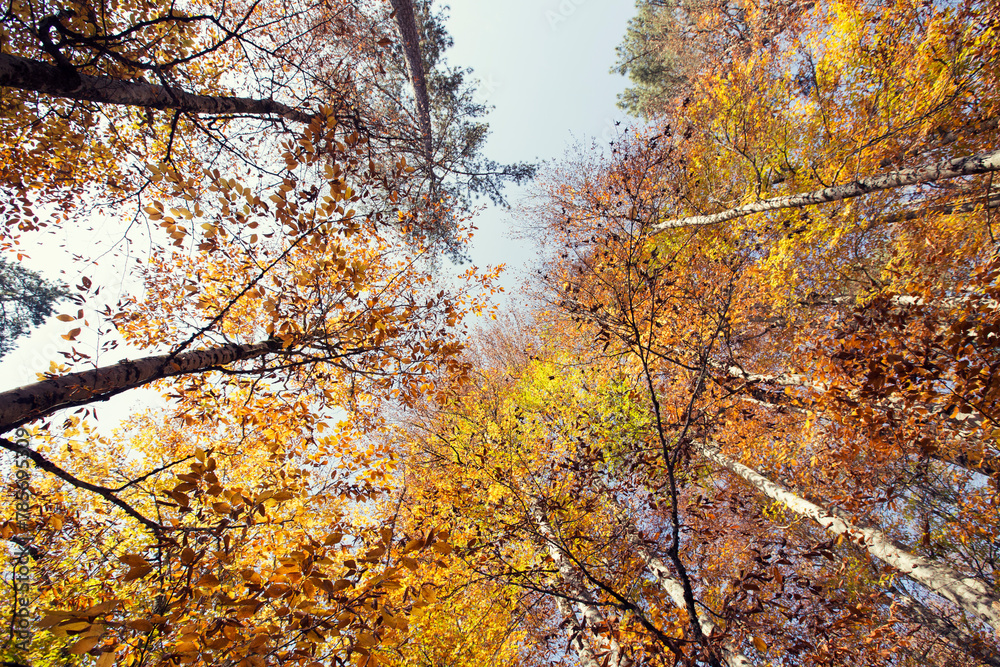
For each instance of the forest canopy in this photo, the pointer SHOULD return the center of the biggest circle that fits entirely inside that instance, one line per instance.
(747, 414)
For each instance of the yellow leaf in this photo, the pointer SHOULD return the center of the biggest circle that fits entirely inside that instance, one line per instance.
(186, 647)
(760, 644)
(209, 580)
(140, 625)
(133, 560)
(78, 626)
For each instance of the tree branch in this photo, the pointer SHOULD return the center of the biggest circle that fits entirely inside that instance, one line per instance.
(40, 77)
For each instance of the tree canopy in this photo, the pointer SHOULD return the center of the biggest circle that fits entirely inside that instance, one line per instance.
(746, 417)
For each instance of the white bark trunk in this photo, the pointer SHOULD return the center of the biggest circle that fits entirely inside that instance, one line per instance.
(782, 380)
(671, 586)
(578, 640)
(954, 168)
(34, 401)
(39, 77)
(969, 594)
(574, 585)
(962, 639)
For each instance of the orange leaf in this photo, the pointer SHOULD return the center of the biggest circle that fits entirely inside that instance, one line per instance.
(84, 645)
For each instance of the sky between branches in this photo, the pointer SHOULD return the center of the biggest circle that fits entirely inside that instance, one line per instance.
(544, 65)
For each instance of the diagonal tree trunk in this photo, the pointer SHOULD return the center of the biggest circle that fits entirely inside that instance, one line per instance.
(732, 655)
(969, 594)
(578, 640)
(40, 77)
(34, 401)
(959, 637)
(954, 168)
(571, 580)
(986, 464)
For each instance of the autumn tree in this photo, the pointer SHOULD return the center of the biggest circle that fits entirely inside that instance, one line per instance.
(752, 332)
(167, 85)
(276, 307)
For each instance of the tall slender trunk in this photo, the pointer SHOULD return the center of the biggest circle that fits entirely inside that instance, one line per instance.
(571, 579)
(986, 464)
(781, 380)
(407, 23)
(731, 654)
(578, 640)
(959, 637)
(969, 594)
(34, 401)
(954, 168)
(40, 77)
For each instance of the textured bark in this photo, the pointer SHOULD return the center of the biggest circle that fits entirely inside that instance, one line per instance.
(673, 588)
(733, 657)
(969, 594)
(782, 380)
(962, 639)
(577, 639)
(954, 168)
(574, 586)
(407, 24)
(40, 77)
(34, 401)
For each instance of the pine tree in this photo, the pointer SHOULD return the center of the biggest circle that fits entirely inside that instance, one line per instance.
(26, 299)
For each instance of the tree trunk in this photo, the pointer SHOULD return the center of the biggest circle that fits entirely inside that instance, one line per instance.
(34, 401)
(40, 77)
(571, 580)
(577, 638)
(732, 656)
(954, 168)
(407, 23)
(987, 464)
(969, 594)
(959, 637)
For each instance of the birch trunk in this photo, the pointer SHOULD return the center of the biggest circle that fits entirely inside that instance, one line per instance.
(671, 586)
(732, 656)
(954, 168)
(571, 579)
(987, 464)
(969, 594)
(40, 77)
(963, 640)
(577, 639)
(782, 380)
(34, 401)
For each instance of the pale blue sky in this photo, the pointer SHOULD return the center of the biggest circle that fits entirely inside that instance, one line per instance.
(544, 65)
